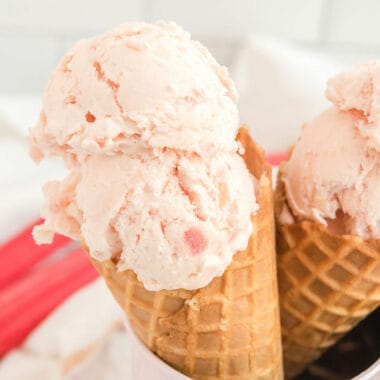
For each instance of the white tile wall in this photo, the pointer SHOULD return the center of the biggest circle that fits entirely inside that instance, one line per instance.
(355, 21)
(223, 18)
(68, 15)
(291, 19)
(34, 34)
(25, 62)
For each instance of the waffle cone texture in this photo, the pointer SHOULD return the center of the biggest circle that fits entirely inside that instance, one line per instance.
(229, 329)
(328, 283)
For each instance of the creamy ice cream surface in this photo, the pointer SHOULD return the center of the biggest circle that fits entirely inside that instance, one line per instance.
(139, 86)
(146, 121)
(333, 174)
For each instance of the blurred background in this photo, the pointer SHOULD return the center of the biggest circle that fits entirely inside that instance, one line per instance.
(34, 34)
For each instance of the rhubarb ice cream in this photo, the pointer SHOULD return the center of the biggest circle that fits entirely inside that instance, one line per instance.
(139, 86)
(146, 120)
(333, 174)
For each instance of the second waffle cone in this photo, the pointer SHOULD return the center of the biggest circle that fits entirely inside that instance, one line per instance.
(230, 328)
(327, 283)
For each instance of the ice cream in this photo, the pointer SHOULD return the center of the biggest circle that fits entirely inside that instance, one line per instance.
(139, 86)
(177, 220)
(328, 221)
(146, 121)
(359, 89)
(333, 174)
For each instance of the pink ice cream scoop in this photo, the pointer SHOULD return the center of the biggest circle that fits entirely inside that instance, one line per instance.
(146, 120)
(139, 86)
(176, 221)
(333, 174)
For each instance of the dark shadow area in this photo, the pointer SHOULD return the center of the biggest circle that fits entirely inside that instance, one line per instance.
(351, 355)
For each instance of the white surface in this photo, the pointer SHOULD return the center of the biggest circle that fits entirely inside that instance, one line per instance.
(372, 373)
(145, 365)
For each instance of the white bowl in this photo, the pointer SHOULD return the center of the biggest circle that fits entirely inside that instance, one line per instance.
(372, 373)
(146, 365)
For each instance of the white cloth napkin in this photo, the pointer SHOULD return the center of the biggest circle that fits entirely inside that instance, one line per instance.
(280, 88)
(83, 339)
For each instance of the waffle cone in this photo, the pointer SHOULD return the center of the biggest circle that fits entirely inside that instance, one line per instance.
(328, 283)
(228, 329)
